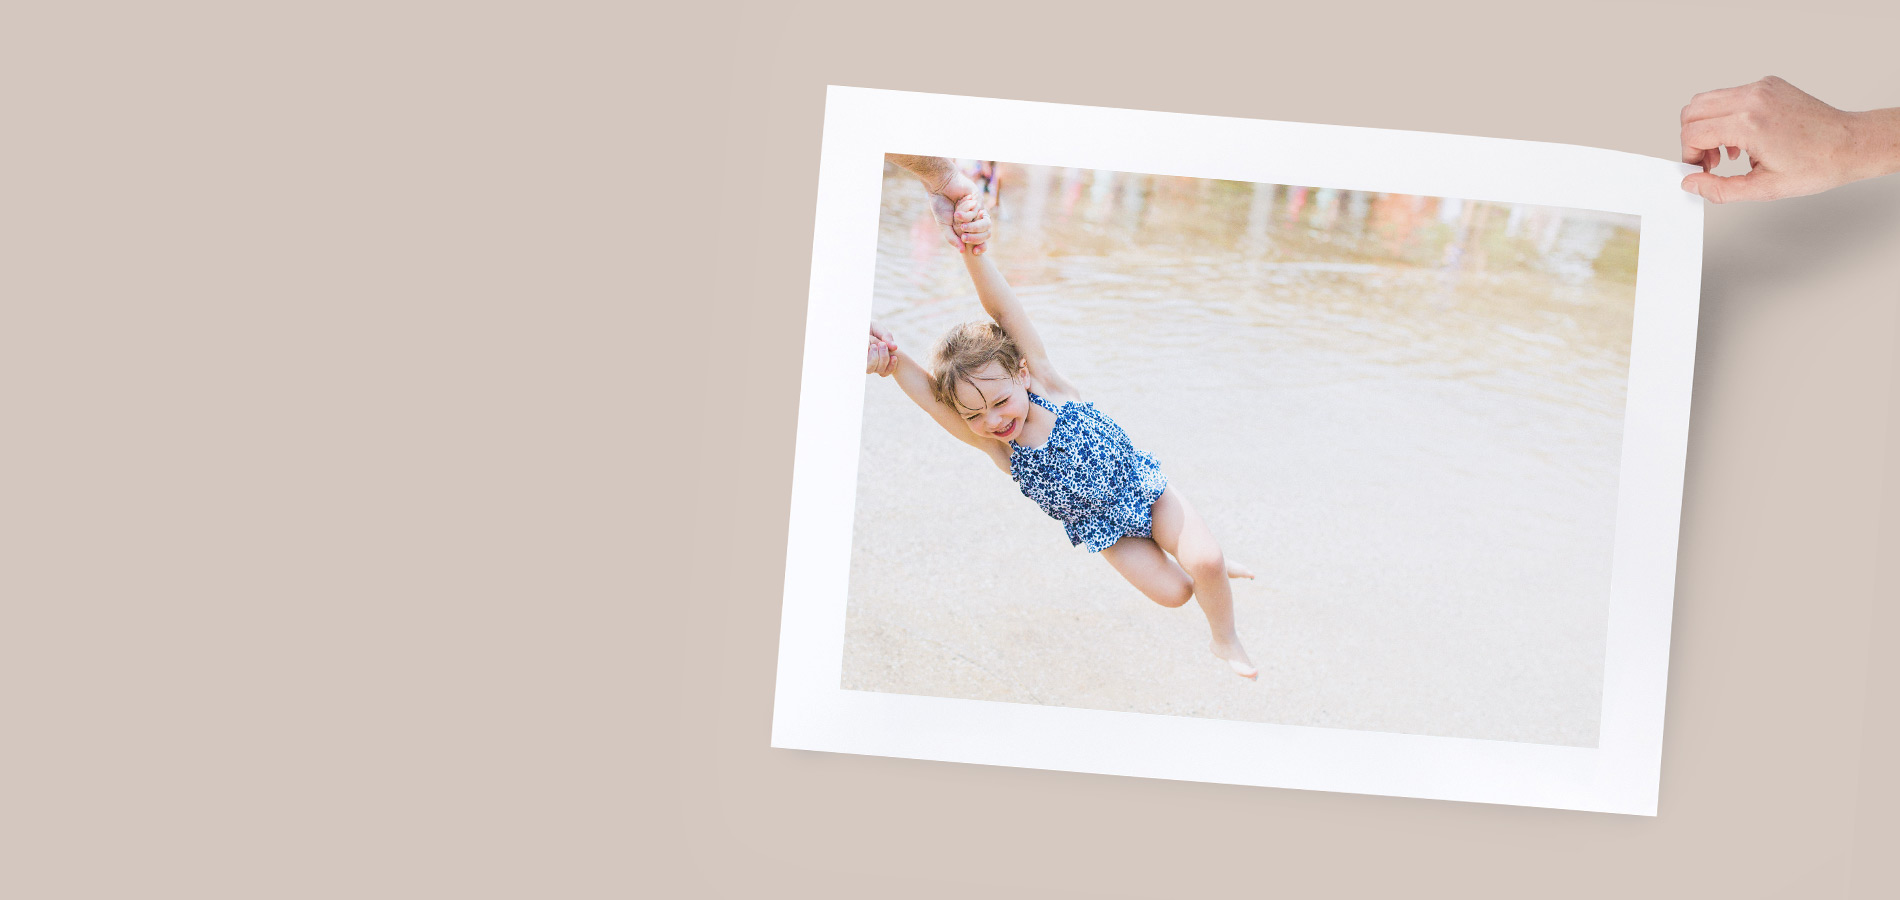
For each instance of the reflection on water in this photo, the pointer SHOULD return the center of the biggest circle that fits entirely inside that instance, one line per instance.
(1407, 410)
(1514, 297)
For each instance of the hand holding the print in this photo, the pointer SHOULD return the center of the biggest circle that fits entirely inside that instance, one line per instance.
(881, 356)
(1796, 144)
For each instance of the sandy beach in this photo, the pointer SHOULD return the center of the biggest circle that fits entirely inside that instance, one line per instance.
(1405, 414)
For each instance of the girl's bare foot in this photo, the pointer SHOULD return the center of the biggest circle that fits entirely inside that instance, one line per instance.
(1236, 657)
(1236, 570)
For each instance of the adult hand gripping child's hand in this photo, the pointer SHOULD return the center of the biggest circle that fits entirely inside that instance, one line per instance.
(955, 201)
(881, 356)
(964, 217)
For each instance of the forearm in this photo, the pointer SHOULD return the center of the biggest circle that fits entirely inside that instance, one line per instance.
(934, 171)
(1875, 142)
(916, 382)
(1000, 302)
(993, 291)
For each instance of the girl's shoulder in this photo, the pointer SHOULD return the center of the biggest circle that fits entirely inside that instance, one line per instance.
(1057, 396)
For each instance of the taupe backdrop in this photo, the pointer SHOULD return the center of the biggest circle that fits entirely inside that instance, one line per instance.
(399, 406)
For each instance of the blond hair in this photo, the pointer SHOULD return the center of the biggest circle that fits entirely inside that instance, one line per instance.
(967, 350)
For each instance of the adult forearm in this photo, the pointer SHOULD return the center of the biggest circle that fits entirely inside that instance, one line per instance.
(1875, 137)
(934, 171)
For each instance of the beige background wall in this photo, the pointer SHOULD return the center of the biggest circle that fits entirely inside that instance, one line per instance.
(399, 406)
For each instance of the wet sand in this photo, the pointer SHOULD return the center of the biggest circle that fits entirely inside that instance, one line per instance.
(1404, 415)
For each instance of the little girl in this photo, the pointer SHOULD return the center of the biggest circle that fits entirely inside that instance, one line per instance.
(994, 388)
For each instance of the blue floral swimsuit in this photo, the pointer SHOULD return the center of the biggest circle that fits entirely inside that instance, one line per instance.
(1089, 476)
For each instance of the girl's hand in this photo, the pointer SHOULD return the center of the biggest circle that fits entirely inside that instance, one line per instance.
(880, 357)
(972, 224)
(961, 209)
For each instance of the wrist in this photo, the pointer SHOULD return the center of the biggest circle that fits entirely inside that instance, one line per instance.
(956, 185)
(938, 181)
(935, 172)
(1874, 142)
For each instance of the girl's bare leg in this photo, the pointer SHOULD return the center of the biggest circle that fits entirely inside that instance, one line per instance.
(1141, 561)
(1155, 574)
(1180, 531)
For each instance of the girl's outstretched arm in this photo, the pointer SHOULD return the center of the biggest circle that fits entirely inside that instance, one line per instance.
(916, 384)
(1001, 303)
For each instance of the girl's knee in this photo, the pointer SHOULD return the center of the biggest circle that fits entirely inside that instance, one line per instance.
(1205, 564)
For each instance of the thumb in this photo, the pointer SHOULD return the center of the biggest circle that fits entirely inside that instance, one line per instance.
(1759, 184)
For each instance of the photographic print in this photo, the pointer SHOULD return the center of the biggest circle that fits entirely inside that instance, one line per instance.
(1239, 451)
(1365, 442)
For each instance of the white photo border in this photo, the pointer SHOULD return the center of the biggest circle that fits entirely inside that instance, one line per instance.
(811, 711)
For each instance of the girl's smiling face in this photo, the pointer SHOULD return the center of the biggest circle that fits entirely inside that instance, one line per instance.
(994, 404)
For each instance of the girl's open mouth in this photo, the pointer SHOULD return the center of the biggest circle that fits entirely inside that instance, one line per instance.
(1008, 431)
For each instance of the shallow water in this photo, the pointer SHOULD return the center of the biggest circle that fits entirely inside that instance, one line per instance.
(1405, 413)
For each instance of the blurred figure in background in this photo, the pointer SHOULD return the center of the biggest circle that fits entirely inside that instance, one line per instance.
(989, 181)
